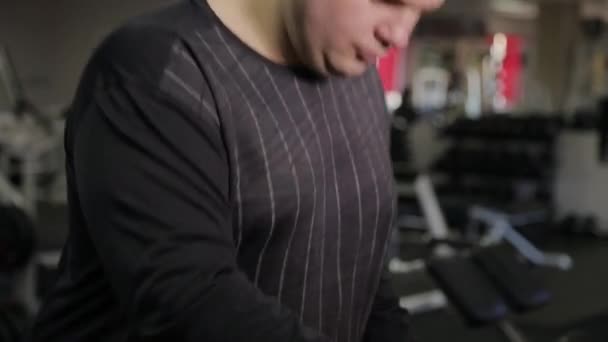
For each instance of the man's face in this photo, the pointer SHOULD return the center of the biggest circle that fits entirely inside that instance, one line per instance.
(345, 36)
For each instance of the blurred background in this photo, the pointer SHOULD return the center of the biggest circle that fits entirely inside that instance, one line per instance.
(499, 143)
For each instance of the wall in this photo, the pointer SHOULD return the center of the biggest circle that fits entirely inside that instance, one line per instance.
(557, 33)
(51, 40)
(582, 181)
(25, 28)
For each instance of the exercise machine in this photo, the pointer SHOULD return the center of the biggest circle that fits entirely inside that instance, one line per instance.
(30, 143)
(487, 277)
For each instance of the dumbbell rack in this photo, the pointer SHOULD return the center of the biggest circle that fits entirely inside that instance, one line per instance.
(503, 162)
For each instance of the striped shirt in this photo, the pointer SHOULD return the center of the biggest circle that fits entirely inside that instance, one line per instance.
(217, 196)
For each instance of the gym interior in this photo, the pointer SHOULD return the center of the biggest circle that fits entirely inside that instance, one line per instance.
(499, 143)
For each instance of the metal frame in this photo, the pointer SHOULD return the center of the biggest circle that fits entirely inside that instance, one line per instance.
(8, 79)
(501, 228)
(30, 153)
(24, 137)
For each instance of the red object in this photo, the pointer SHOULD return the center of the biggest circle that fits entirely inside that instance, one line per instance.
(509, 76)
(388, 67)
(511, 70)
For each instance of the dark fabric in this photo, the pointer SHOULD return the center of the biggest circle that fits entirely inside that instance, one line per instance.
(217, 196)
(387, 322)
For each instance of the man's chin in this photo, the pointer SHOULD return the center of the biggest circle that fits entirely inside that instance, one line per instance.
(343, 67)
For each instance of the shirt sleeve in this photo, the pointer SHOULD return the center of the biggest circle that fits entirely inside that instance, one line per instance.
(151, 179)
(388, 322)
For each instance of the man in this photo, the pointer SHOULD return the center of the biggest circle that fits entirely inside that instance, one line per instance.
(229, 177)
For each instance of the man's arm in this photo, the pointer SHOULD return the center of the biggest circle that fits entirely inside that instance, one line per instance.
(152, 182)
(388, 322)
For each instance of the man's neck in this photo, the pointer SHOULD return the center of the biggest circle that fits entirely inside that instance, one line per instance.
(258, 23)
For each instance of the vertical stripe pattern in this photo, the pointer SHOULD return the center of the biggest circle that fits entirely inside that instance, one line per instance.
(316, 140)
(338, 206)
(374, 182)
(324, 189)
(359, 204)
(266, 167)
(266, 163)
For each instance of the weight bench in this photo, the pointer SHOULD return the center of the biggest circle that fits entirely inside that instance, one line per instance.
(478, 277)
(487, 285)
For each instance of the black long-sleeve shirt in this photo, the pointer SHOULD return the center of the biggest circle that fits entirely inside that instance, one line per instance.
(217, 196)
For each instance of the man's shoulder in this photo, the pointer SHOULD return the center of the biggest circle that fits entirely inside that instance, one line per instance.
(144, 46)
(181, 18)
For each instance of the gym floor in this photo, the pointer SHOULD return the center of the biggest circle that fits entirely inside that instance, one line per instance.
(579, 295)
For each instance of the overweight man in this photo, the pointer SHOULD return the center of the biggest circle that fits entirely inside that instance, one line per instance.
(229, 177)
